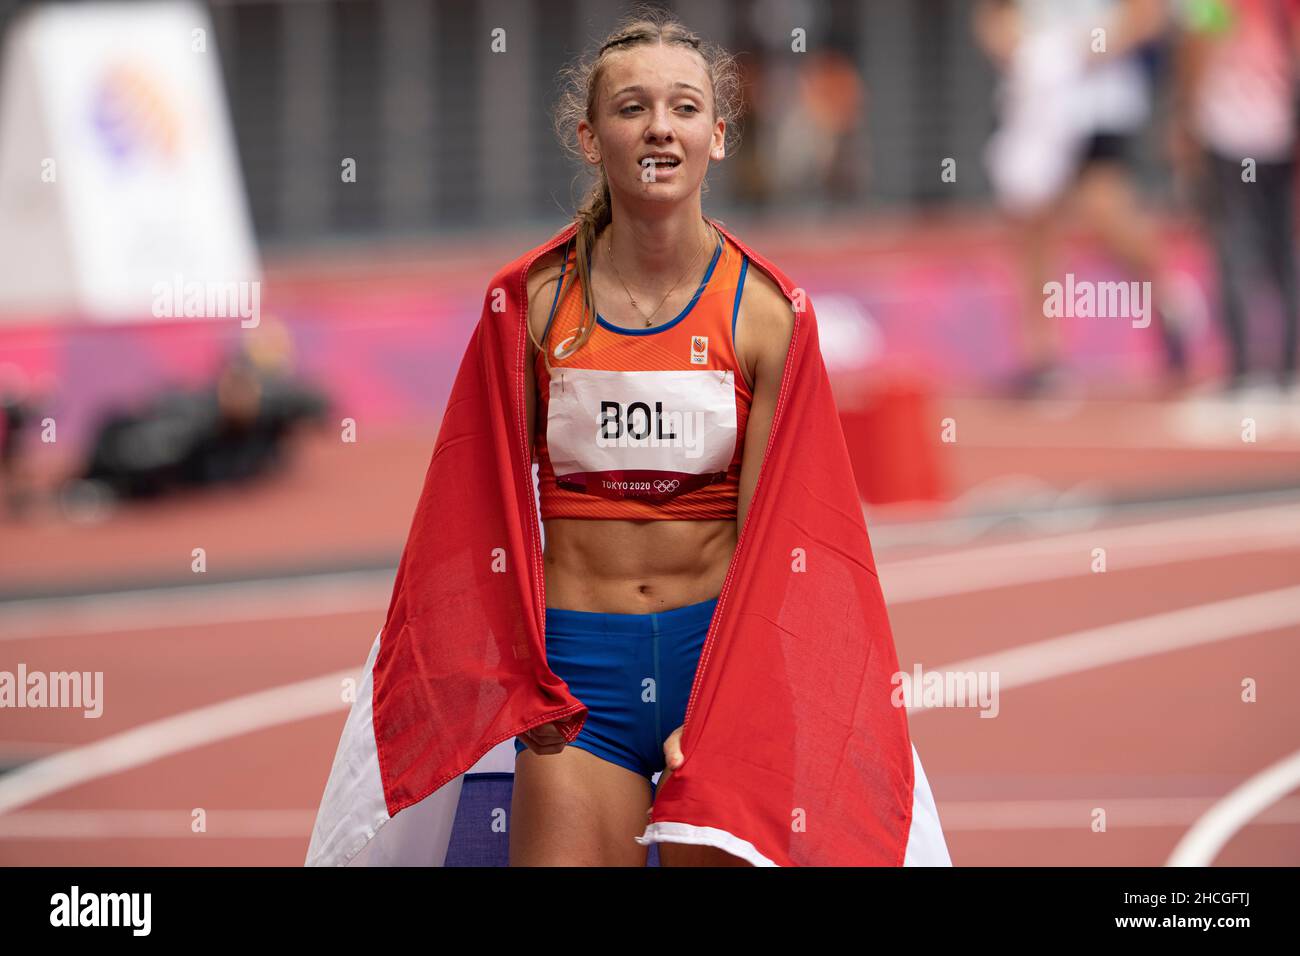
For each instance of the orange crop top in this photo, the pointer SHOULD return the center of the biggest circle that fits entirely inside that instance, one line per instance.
(645, 423)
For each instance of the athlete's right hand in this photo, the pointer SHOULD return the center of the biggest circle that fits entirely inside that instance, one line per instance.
(545, 739)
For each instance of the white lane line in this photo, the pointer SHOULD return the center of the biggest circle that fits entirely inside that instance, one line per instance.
(913, 579)
(1203, 423)
(1077, 814)
(1026, 505)
(1183, 529)
(1202, 843)
(173, 735)
(1071, 556)
(319, 595)
(1129, 640)
(1270, 439)
(964, 815)
(1085, 650)
(159, 824)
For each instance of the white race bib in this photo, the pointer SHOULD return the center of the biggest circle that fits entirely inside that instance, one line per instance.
(647, 434)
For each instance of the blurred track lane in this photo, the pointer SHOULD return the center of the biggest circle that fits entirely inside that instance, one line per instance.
(949, 738)
(1153, 735)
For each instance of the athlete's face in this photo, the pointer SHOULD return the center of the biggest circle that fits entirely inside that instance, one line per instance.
(654, 101)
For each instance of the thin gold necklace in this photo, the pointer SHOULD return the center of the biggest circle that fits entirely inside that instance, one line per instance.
(649, 320)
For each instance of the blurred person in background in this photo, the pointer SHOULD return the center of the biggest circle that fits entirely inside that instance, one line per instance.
(801, 112)
(232, 430)
(750, 180)
(813, 137)
(1068, 117)
(19, 407)
(1233, 137)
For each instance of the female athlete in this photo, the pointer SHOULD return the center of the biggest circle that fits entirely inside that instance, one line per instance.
(652, 324)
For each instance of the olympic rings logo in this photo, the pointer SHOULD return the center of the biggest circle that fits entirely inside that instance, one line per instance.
(663, 487)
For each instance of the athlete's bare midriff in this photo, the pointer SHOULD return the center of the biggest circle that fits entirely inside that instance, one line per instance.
(635, 567)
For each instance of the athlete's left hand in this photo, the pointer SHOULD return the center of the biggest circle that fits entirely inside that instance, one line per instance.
(673, 749)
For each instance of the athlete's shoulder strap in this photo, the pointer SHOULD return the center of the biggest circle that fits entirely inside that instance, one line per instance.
(559, 286)
(740, 290)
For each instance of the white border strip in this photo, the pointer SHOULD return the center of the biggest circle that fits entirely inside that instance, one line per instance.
(703, 836)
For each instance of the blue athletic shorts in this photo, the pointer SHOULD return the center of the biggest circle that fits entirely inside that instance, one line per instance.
(633, 671)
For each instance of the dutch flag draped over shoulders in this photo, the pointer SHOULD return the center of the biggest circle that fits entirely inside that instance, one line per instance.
(794, 753)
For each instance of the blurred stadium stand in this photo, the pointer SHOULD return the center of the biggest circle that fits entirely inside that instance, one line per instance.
(384, 82)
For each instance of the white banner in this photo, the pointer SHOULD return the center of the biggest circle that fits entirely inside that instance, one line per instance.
(119, 182)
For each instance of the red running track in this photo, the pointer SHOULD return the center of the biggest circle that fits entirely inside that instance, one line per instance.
(1151, 736)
